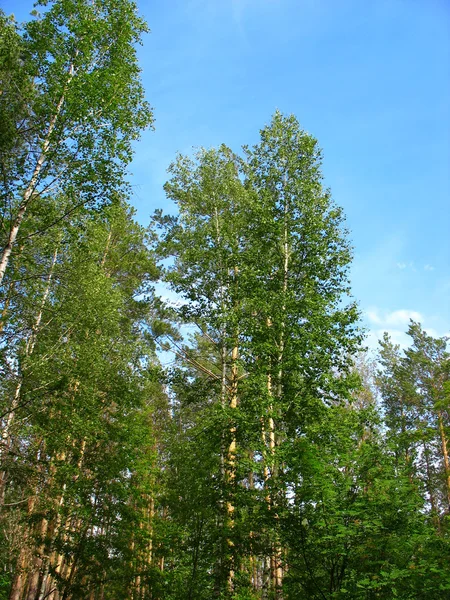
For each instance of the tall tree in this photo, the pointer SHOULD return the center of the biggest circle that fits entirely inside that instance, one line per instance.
(206, 241)
(303, 328)
(413, 388)
(261, 258)
(86, 418)
(72, 104)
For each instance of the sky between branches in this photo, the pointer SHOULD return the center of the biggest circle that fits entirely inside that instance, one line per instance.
(368, 79)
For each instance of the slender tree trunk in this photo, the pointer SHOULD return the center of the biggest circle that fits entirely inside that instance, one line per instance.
(21, 571)
(28, 193)
(144, 559)
(253, 566)
(71, 568)
(37, 563)
(107, 246)
(6, 442)
(445, 456)
(268, 439)
(56, 560)
(19, 576)
(276, 568)
(39, 566)
(286, 258)
(6, 306)
(231, 464)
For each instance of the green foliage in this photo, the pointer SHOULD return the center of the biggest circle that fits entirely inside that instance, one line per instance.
(72, 103)
(413, 389)
(82, 442)
(258, 465)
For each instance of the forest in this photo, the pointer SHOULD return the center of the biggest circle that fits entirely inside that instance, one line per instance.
(231, 438)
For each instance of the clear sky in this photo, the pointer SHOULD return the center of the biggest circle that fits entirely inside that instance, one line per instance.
(370, 79)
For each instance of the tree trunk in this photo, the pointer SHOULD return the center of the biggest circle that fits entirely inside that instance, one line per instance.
(37, 564)
(20, 575)
(6, 306)
(276, 568)
(445, 456)
(27, 195)
(231, 463)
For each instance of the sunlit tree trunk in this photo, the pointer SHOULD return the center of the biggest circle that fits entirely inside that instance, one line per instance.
(445, 455)
(430, 488)
(25, 557)
(230, 473)
(29, 190)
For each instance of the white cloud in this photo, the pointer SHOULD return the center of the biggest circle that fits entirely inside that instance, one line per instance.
(395, 323)
(396, 318)
(410, 266)
(402, 317)
(428, 268)
(397, 337)
(373, 317)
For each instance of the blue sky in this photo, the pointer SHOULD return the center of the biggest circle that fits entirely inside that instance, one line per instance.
(369, 79)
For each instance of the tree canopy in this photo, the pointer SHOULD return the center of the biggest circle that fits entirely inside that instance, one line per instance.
(239, 443)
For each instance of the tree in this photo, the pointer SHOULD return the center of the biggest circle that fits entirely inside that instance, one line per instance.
(72, 103)
(206, 240)
(413, 388)
(261, 255)
(304, 332)
(86, 419)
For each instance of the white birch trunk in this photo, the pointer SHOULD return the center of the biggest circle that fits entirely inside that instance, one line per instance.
(28, 193)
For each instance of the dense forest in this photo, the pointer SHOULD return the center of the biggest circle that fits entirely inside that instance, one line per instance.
(235, 441)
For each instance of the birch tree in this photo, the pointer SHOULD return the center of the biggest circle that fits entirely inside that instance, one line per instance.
(84, 420)
(72, 104)
(261, 258)
(205, 242)
(303, 319)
